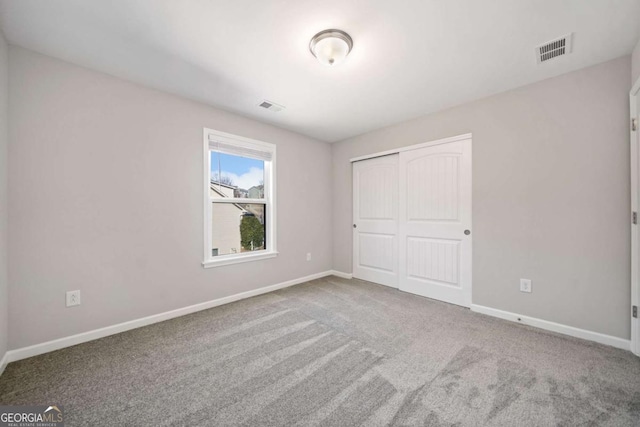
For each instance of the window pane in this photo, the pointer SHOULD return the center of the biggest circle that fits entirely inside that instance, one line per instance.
(237, 228)
(237, 176)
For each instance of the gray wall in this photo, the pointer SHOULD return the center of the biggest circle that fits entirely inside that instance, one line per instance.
(635, 63)
(106, 197)
(550, 195)
(4, 122)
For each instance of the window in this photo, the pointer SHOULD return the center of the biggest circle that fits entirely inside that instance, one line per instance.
(239, 183)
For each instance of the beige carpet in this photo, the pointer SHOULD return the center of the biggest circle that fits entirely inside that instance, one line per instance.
(333, 352)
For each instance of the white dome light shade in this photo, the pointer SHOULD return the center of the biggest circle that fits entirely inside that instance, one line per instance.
(331, 47)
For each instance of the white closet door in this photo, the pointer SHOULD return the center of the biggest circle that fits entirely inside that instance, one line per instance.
(375, 220)
(435, 222)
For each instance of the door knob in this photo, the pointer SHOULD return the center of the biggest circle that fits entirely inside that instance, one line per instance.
(467, 232)
(355, 226)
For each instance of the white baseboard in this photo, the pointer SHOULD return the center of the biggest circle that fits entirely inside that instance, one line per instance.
(37, 349)
(4, 362)
(555, 327)
(341, 274)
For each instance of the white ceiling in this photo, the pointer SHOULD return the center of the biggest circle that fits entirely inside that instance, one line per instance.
(410, 57)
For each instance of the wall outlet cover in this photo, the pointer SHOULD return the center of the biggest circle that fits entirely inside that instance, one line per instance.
(73, 298)
(525, 285)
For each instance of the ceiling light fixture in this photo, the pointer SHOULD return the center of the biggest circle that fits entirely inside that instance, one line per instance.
(331, 47)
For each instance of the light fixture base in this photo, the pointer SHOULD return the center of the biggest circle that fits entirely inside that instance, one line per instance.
(331, 33)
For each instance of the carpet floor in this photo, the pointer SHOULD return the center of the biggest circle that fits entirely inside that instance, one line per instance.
(333, 352)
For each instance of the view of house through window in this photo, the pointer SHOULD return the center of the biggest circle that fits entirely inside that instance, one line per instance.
(237, 227)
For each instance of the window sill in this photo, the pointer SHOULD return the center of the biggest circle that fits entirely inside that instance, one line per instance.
(239, 259)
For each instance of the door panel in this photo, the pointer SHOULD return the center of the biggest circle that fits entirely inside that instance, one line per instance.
(375, 220)
(636, 291)
(634, 106)
(434, 260)
(432, 188)
(435, 211)
(376, 251)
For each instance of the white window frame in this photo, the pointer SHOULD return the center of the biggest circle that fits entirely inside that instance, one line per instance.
(269, 199)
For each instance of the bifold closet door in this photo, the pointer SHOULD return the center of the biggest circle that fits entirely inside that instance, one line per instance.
(435, 222)
(375, 220)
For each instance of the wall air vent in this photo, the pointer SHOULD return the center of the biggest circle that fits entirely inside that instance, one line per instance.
(271, 106)
(553, 49)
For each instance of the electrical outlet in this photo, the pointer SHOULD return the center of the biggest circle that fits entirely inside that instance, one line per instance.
(73, 298)
(525, 285)
(309, 256)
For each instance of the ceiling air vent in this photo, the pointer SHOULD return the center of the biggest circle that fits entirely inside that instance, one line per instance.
(553, 49)
(271, 106)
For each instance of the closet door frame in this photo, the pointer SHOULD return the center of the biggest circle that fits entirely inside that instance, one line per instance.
(463, 137)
